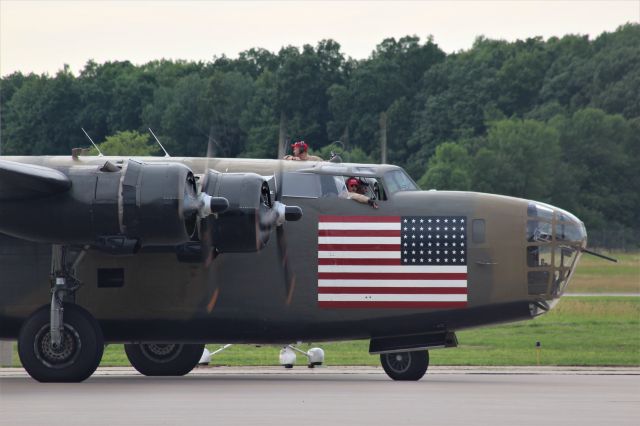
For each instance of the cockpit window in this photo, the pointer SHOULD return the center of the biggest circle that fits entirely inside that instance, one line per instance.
(398, 180)
(311, 185)
(332, 186)
(301, 185)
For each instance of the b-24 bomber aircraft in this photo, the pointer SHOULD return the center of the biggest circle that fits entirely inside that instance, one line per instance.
(167, 254)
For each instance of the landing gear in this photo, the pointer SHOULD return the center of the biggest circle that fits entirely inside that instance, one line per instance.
(74, 358)
(61, 342)
(160, 359)
(405, 365)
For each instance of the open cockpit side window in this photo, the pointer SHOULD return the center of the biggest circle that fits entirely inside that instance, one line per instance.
(312, 185)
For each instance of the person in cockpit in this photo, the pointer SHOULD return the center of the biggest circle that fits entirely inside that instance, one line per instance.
(356, 192)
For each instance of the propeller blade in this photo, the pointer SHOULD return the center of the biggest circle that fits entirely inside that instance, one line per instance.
(289, 277)
(291, 213)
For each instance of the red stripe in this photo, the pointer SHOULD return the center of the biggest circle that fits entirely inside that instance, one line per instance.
(391, 290)
(358, 247)
(341, 261)
(415, 305)
(385, 219)
(358, 233)
(391, 276)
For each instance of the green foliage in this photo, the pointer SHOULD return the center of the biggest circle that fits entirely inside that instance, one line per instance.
(132, 144)
(449, 169)
(600, 154)
(519, 158)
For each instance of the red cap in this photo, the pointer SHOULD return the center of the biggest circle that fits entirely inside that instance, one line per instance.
(301, 145)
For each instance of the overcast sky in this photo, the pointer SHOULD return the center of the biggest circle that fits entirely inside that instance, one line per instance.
(42, 36)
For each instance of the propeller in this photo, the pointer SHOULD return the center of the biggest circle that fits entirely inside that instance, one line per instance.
(269, 215)
(208, 252)
(290, 213)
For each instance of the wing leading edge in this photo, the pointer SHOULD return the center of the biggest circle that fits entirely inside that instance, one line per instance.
(25, 181)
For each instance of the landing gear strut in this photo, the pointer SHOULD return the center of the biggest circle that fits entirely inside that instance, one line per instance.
(61, 342)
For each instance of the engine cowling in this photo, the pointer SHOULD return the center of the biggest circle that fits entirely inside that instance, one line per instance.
(245, 226)
(117, 209)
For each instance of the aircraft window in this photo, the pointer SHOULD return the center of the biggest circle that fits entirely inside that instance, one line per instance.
(538, 281)
(379, 191)
(301, 185)
(332, 186)
(538, 231)
(477, 232)
(538, 256)
(569, 232)
(398, 180)
(560, 281)
(564, 256)
(538, 210)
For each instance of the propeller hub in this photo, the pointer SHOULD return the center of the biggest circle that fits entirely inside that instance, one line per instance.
(286, 213)
(208, 205)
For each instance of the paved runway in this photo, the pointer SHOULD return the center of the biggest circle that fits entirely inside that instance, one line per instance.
(331, 396)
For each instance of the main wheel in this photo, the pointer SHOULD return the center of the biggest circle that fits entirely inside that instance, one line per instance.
(77, 357)
(405, 365)
(160, 359)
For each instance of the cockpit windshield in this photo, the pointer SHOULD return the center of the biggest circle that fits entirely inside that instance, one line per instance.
(398, 180)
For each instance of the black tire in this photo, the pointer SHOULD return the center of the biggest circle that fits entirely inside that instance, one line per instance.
(80, 352)
(405, 365)
(160, 359)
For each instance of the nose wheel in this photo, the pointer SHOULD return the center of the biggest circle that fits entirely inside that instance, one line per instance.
(405, 365)
(73, 359)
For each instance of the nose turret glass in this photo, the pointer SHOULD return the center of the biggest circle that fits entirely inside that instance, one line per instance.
(554, 242)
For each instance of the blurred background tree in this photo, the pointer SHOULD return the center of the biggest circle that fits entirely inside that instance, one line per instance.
(555, 120)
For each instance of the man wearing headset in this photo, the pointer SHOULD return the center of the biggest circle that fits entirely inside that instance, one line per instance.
(300, 153)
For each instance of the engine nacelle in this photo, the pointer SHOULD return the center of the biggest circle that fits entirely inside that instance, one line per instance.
(245, 226)
(139, 205)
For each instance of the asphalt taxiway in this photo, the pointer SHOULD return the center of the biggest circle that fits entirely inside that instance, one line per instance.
(329, 396)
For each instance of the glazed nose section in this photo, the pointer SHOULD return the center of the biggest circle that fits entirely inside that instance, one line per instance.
(555, 239)
(570, 237)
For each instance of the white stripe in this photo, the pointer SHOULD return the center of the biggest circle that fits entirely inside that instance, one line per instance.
(359, 225)
(359, 240)
(358, 254)
(393, 283)
(392, 297)
(409, 269)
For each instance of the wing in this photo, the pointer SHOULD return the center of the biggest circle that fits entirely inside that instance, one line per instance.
(24, 181)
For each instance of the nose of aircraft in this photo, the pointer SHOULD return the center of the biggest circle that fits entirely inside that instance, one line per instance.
(555, 239)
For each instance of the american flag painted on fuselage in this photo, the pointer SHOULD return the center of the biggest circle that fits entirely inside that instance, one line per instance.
(392, 262)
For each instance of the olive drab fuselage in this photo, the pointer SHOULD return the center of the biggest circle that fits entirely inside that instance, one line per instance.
(519, 257)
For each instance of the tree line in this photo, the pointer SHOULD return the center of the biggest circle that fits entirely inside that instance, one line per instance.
(554, 120)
